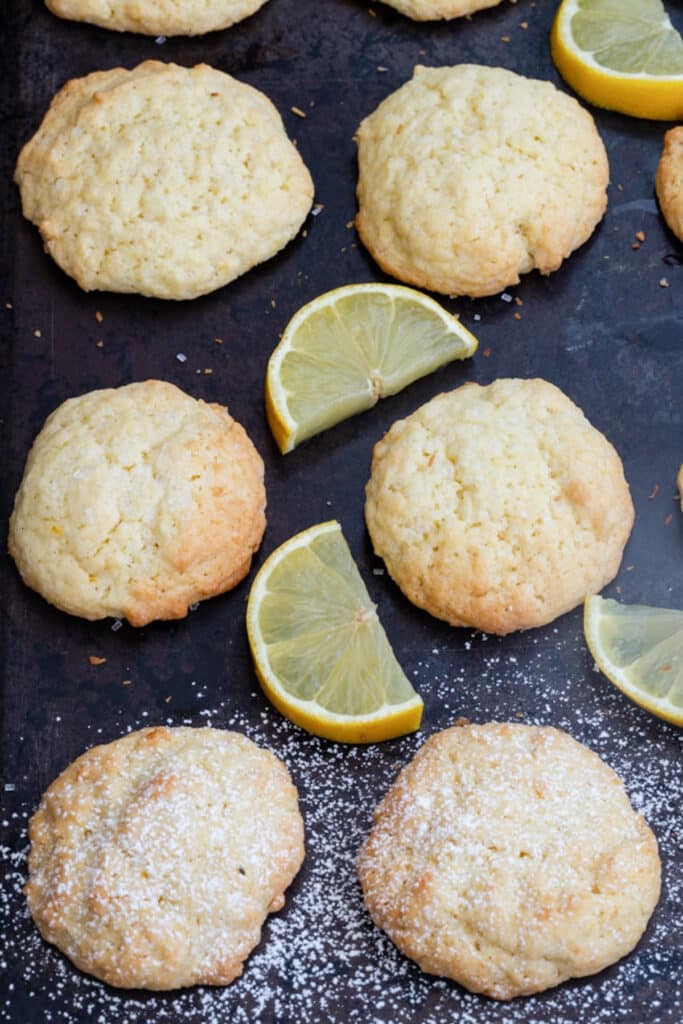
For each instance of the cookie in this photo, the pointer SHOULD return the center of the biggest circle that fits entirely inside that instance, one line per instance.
(164, 180)
(157, 17)
(470, 176)
(155, 859)
(434, 10)
(498, 507)
(508, 858)
(137, 502)
(669, 180)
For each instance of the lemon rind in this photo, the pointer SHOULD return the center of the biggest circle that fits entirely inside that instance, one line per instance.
(650, 97)
(387, 722)
(282, 424)
(661, 708)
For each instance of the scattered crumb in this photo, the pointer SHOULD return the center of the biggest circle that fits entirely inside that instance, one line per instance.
(94, 660)
(181, 357)
(317, 209)
(640, 236)
(99, 317)
(298, 111)
(655, 492)
(486, 353)
(517, 316)
(219, 341)
(37, 333)
(663, 282)
(99, 343)
(668, 519)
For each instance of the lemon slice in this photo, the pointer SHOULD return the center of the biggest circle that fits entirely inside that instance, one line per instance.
(621, 54)
(320, 652)
(640, 649)
(347, 348)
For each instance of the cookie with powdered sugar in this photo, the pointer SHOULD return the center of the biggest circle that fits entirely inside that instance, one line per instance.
(508, 858)
(156, 859)
(164, 180)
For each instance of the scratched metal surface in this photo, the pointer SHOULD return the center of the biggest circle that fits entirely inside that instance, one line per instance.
(603, 328)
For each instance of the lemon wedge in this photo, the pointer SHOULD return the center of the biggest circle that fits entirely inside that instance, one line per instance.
(349, 347)
(640, 649)
(624, 55)
(319, 650)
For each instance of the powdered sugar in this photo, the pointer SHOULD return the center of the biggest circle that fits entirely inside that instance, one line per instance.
(322, 959)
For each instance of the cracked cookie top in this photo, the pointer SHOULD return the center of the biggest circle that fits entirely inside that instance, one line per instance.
(156, 859)
(157, 17)
(434, 10)
(509, 858)
(498, 507)
(164, 180)
(470, 176)
(137, 502)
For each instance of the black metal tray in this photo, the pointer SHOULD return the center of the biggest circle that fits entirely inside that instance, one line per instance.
(604, 328)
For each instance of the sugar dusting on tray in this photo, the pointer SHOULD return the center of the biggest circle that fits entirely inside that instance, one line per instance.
(321, 959)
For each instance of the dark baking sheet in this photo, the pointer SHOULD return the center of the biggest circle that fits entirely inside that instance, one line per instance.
(603, 328)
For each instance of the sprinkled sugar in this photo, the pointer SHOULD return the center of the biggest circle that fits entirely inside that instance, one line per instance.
(321, 959)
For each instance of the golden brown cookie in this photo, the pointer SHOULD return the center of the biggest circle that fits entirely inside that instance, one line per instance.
(137, 502)
(164, 180)
(498, 507)
(470, 176)
(156, 859)
(669, 180)
(434, 10)
(157, 17)
(508, 858)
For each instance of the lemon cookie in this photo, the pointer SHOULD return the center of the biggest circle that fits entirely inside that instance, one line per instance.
(470, 176)
(498, 507)
(155, 859)
(157, 17)
(434, 10)
(508, 858)
(137, 502)
(669, 180)
(164, 180)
